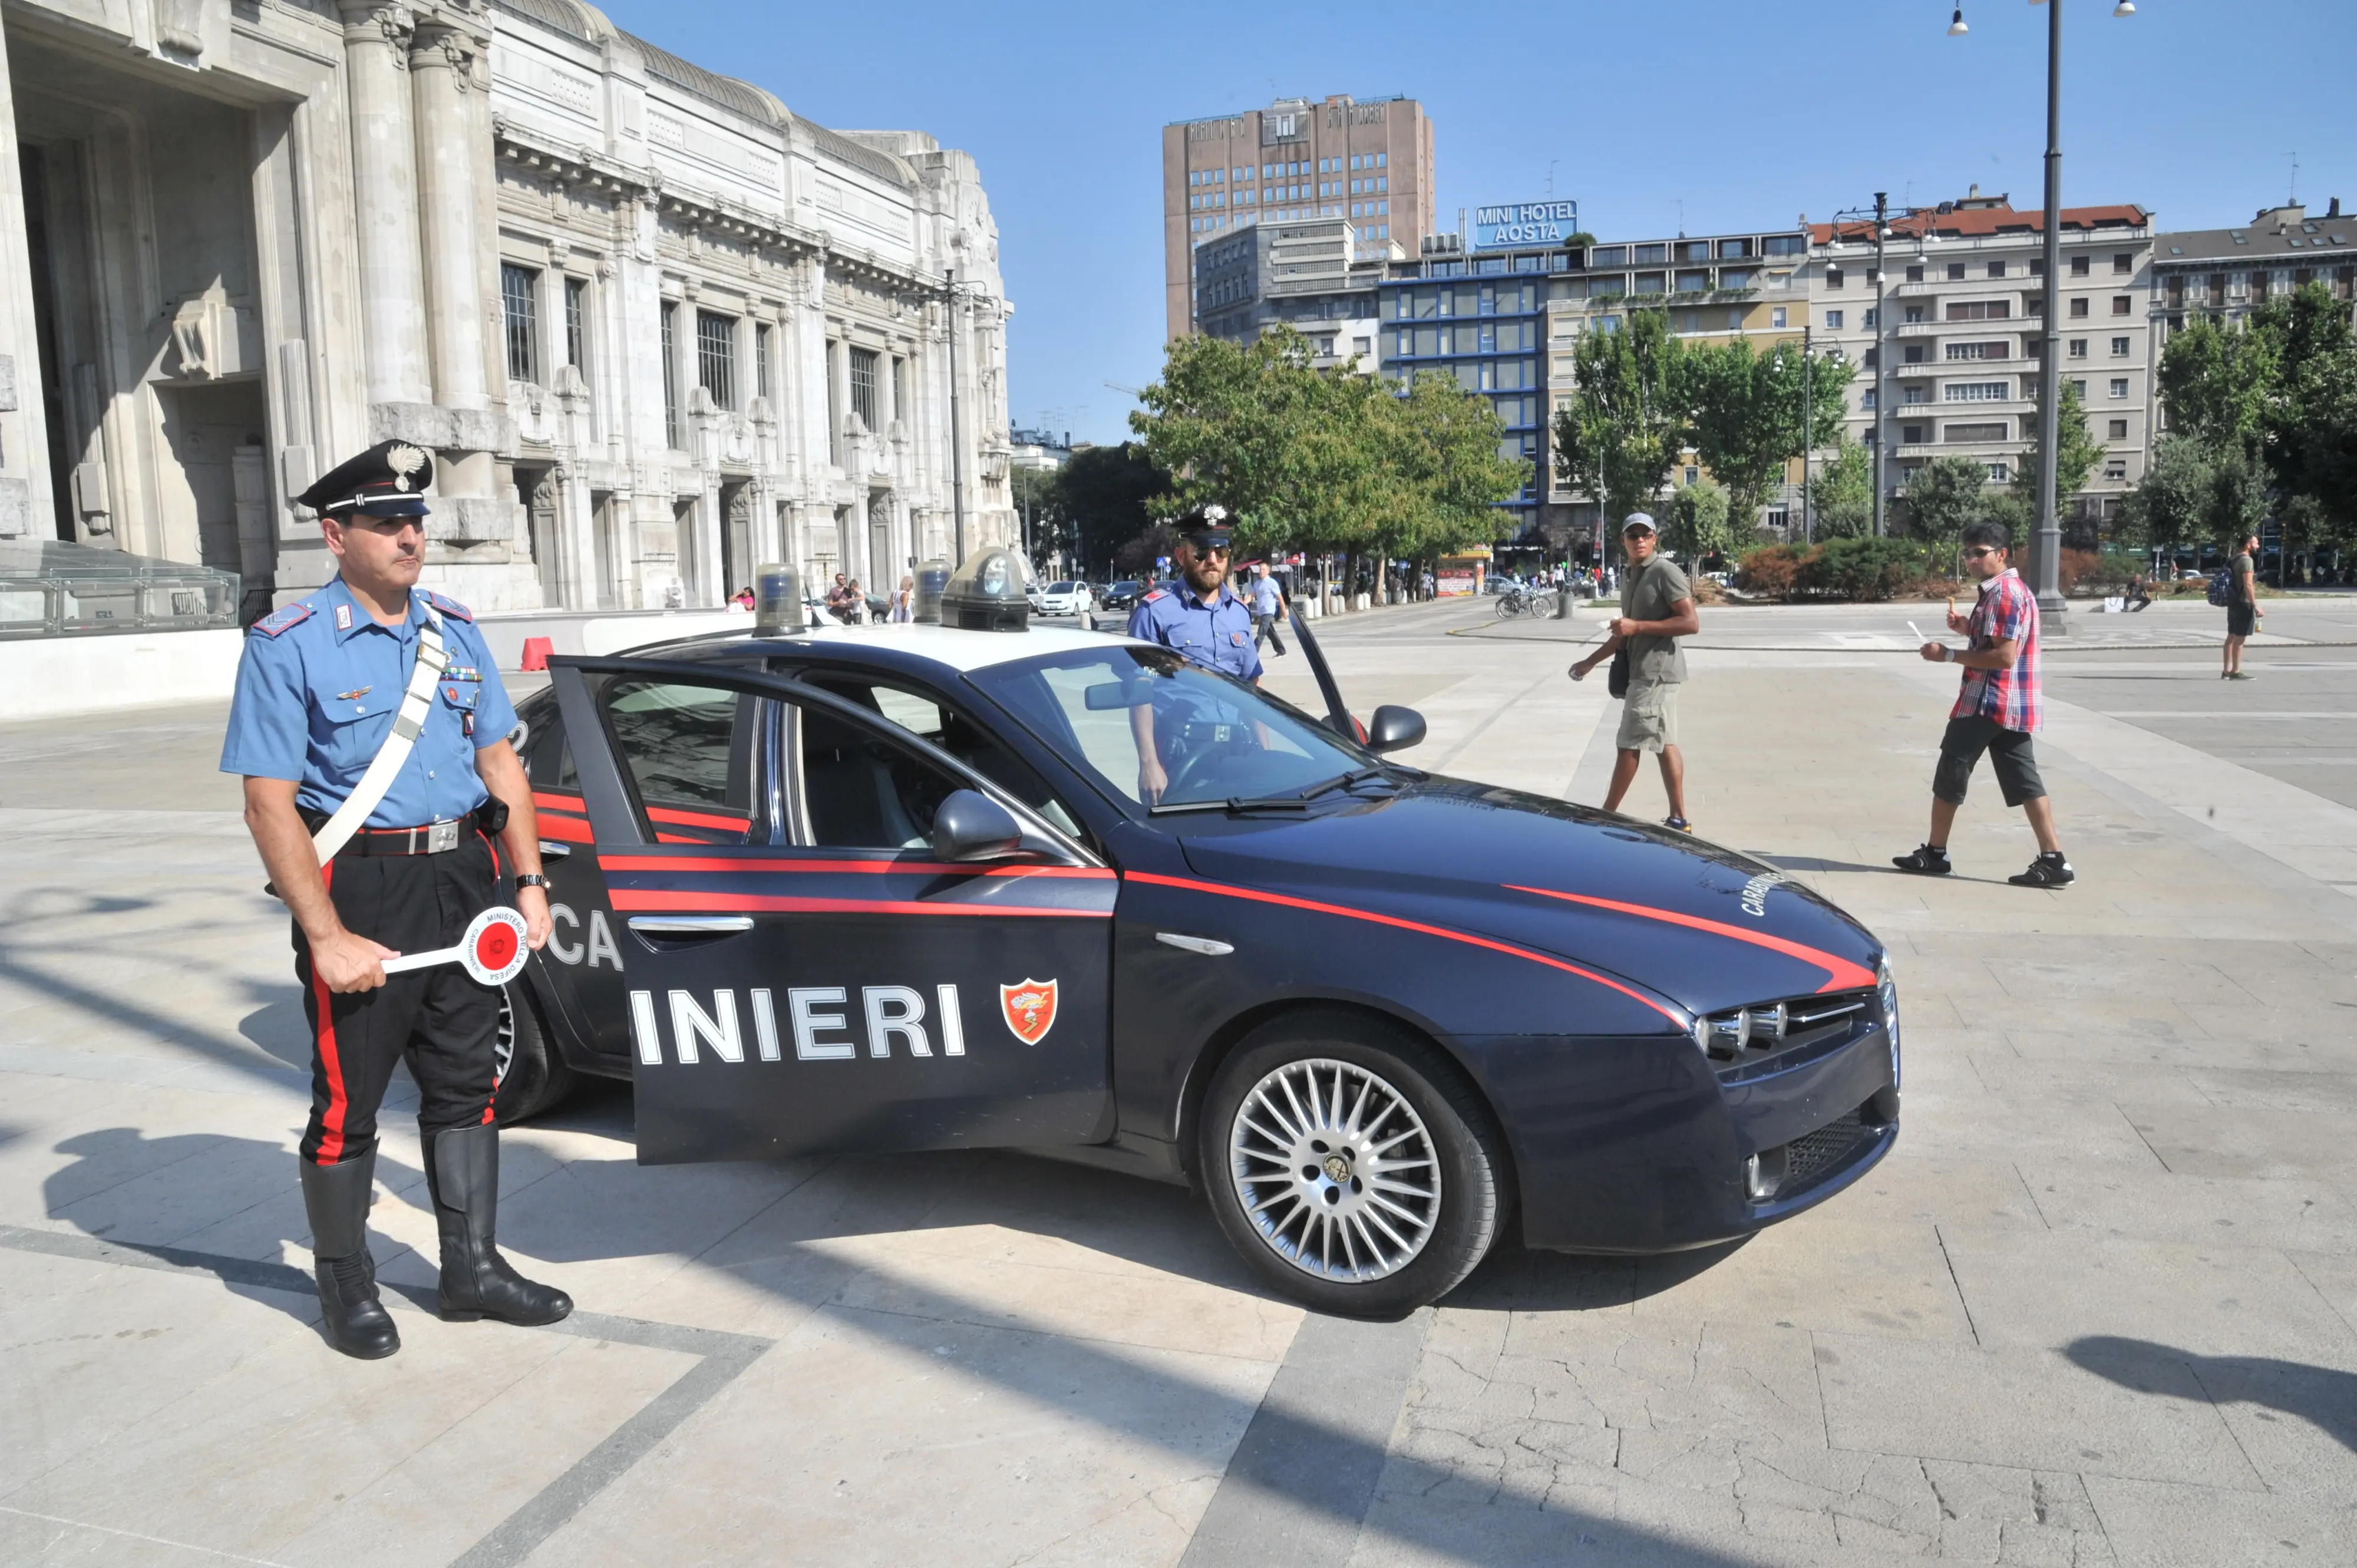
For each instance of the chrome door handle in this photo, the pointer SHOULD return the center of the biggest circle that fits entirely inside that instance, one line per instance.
(690, 925)
(552, 850)
(1204, 945)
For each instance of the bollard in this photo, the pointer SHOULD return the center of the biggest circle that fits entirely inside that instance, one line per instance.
(1562, 601)
(536, 650)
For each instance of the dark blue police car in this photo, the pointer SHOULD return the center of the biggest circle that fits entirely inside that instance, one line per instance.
(906, 888)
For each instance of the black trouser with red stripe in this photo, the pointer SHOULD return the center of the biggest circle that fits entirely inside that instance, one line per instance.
(445, 1023)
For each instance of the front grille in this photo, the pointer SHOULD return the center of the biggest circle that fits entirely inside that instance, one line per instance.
(1741, 1040)
(1786, 1170)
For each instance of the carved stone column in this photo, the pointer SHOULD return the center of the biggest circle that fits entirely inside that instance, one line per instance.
(384, 189)
(443, 61)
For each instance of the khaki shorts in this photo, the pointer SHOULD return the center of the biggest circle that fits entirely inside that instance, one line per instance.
(1649, 718)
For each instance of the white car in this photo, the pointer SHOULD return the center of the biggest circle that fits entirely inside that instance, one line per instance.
(1066, 598)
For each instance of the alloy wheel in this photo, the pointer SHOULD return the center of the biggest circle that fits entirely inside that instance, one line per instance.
(1335, 1170)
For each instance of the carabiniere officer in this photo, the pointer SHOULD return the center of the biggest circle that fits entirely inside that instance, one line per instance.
(1200, 619)
(318, 694)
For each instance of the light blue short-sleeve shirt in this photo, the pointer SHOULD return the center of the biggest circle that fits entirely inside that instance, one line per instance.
(318, 686)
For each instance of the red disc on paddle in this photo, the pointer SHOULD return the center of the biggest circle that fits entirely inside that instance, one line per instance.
(494, 950)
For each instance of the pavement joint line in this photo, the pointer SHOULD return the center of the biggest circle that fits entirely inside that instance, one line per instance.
(136, 1535)
(722, 1357)
(1303, 1475)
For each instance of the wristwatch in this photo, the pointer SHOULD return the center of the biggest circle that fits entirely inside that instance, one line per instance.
(532, 879)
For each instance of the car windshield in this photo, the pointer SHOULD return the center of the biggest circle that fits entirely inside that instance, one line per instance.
(1125, 587)
(1059, 587)
(1158, 731)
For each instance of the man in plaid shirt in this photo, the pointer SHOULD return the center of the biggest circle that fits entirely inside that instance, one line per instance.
(1995, 712)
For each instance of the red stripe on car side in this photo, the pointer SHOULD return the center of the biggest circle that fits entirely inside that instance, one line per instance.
(565, 830)
(1442, 932)
(572, 804)
(678, 818)
(1841, 974)
(648, 900)
(842, 867)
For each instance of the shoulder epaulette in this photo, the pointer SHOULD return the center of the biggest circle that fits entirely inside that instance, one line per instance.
(279, 620)
(449, 607)
(1156, 594)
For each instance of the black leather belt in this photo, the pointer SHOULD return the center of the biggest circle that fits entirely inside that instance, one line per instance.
(426, 838)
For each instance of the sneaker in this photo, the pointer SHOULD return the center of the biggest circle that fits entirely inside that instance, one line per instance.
(2242, 675)
(2046, 871)
(1680, 823)
(1931, 859)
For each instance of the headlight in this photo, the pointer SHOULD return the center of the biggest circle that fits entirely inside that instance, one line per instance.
(1885, 996)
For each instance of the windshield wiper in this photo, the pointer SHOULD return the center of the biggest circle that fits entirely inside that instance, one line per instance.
(1298, 802)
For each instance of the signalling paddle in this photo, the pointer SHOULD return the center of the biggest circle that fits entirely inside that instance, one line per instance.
(493, 949)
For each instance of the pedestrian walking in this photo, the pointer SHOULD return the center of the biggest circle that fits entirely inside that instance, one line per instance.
(1267, 607)
(1656, 609)
(2243, 611)
(1998, 710)
(371, 728)
(904, 599)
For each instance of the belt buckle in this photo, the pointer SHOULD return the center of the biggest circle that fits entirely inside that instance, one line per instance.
(441, 837)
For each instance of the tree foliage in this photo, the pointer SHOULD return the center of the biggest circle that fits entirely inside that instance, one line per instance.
(1626, 423)
(2080, 454)
(1946, 496)
(1841, 493)
(1745, 414)
(1325, 460)
(1697, 522)
(1105, 496)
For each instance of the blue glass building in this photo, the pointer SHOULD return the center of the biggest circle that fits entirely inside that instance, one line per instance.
(1481, 318)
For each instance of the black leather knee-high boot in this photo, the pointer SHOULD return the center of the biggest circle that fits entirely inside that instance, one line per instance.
(462, 1172)
(337, 1199)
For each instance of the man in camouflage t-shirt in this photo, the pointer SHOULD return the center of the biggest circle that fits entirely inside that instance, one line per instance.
(1656, 609)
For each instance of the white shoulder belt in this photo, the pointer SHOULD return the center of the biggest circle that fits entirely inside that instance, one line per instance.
(416, 702)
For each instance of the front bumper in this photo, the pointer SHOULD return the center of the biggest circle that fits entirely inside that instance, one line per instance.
(1635, 1144)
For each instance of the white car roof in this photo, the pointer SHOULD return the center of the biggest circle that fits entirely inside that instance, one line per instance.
(961, 651)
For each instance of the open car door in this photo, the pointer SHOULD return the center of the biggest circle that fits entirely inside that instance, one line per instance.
(801, 974)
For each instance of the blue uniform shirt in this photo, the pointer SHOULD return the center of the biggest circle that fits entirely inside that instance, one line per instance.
(316, 692)
(1218, 636)
(1268, 596)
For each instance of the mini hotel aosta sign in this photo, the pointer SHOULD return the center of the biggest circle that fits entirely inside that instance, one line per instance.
(1524, 223)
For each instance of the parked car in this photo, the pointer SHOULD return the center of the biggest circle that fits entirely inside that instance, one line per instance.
(1067, 598)
(900, 888)
(1123, 595)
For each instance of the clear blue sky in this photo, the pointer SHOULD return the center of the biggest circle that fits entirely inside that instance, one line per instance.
(1749, 113)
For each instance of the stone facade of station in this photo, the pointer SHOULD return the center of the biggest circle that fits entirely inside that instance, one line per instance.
(655, 327)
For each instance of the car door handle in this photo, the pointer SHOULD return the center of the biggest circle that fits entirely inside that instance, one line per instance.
(552, 850)
(690, 925)
(1203, 945)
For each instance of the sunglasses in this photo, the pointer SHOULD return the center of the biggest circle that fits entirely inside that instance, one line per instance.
(1977, 551)
(1212, 549)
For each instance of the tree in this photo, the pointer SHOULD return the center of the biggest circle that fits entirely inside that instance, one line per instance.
(2080, 454)
(2172, 503)
(2217, 380)
(1746, 416)
(1697, 523)
(1841, 493)
(1325, 460)
(1626, 423)
(2311, 418)
(1946, 496)
(1033, 492)
(1106, 494)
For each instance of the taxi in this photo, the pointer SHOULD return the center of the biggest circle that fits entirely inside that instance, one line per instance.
(905, 887)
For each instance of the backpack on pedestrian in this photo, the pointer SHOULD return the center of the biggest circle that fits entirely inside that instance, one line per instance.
(2221, 586)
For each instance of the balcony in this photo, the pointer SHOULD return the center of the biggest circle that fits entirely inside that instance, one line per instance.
(1916, 328)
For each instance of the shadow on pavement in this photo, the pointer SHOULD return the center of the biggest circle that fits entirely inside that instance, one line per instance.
(2323, 1396)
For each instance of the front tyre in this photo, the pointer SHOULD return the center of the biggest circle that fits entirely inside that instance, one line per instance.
(1351, 1166)
(532, 1077)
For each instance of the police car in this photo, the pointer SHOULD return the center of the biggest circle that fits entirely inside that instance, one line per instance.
(915, 886)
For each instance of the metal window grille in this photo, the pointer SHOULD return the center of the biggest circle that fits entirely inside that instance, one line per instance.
(900, 389)
(715, 357)
(518, 291)
(863, 385)
(670, 373)
(761, 361)
(577, 296)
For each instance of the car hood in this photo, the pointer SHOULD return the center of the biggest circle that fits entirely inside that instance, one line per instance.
(1704, 926)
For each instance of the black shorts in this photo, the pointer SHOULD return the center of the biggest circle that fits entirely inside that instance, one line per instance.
(2009, 754)
(2241, 619)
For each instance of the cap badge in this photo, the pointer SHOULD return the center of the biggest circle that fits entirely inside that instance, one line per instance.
(404, 460)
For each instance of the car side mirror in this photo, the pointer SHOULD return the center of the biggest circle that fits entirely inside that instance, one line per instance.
(969, 826)
(1395, 729)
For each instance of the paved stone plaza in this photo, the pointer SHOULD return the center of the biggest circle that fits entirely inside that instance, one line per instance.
(2099, 1306)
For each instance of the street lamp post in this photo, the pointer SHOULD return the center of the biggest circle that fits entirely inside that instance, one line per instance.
(1808, 438)
(1881, 361)
(2046, 558)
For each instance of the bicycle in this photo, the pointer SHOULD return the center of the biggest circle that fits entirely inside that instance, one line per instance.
(1520, 601)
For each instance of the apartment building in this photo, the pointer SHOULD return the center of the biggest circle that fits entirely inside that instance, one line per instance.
(1713, 287)
(1368, 161)
(2226, 274)
(1954, 371)
(1306, 274)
